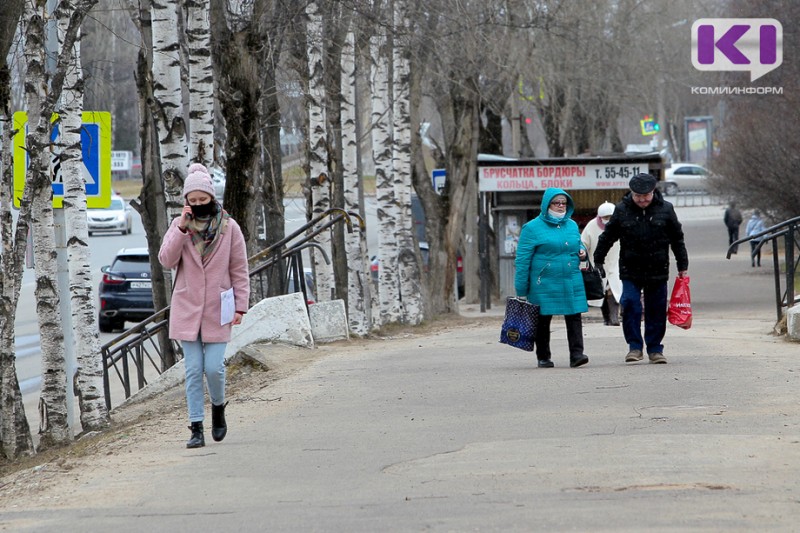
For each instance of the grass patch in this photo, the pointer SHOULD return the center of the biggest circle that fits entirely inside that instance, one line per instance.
(293, 180)
(127, 188)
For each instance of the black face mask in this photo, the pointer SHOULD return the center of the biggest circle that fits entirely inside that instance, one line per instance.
(204, 210)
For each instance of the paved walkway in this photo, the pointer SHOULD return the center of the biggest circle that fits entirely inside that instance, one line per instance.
(447, 430)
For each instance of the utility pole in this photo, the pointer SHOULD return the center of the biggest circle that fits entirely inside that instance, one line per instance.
(515, 124)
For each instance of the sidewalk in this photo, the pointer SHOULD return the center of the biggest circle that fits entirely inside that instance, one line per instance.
(442, 428)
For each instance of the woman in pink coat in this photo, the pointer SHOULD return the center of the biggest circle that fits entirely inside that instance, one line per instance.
(206, 248)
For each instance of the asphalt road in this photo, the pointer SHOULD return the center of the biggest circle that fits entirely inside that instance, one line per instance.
(722, 287)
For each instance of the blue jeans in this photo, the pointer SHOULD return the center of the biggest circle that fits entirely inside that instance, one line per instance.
(203, 358)
(655, 314)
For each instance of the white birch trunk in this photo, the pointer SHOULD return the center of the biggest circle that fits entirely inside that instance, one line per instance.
(53, 421)
(15, 433)
(201, 83)
(318, 156)
(358, 274)
(389, 304)
(168, 106)
(409, 263)
(89, 376)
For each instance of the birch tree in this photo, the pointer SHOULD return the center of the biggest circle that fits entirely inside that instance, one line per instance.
(150, 203)
(358, 281)
(409, 262)
(201, 82)
(15, 434)
(89, 377)
(53, 425)
(318, 147)
(388, 212)
(167, 107)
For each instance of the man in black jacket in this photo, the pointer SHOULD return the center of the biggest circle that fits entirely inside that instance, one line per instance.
(646, 227)
(733, 219)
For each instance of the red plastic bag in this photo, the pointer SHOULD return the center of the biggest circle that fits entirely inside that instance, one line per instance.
(680, 304)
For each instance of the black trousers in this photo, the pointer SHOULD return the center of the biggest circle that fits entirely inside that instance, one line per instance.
(733, 236)
(574, 335)
(755, 255)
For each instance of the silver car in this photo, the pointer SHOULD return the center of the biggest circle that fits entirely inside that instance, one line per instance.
(115, 218)
(684, 177)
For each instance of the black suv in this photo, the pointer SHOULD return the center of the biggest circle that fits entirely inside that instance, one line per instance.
(126, 291)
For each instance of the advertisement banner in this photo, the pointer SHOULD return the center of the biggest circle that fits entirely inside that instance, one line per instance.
(698, 139)
(539, 178)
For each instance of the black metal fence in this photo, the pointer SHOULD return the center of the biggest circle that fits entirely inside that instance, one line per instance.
(784, 235)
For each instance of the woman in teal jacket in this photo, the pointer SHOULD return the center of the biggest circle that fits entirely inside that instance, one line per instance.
(548, 273)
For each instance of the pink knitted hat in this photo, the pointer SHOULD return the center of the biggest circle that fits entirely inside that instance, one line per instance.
(198, 180)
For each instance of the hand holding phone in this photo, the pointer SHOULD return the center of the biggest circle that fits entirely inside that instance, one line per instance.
(186, 216)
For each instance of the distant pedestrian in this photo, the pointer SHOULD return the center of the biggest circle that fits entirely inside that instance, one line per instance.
(755, 226)
(612, 285)
(548, 274)
(211, 293)
(646, 227)
(733, 219)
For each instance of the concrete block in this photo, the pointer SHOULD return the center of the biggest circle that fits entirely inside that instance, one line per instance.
(280, 319)
(793, 322)
(329, 321)
(277, 359)
(171, 377)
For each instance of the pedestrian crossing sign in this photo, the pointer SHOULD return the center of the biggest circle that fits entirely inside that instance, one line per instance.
(95, 152)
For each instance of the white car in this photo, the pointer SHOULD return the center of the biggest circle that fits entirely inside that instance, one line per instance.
(686, 177)
(116, 217)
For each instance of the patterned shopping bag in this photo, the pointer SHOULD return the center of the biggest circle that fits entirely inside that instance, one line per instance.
(519, 325)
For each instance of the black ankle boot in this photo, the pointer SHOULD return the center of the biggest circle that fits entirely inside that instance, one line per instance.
(218, 426)
(578, 360)
(197, 440)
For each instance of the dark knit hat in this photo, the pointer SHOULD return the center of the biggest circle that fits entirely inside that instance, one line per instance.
(198, 180)
(643, 183)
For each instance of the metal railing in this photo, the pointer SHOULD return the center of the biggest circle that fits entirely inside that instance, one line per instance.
(695, 198)
(789, 230)
(139, 351)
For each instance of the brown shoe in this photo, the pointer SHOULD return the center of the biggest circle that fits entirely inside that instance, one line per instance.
(634, 356)
(657, 358)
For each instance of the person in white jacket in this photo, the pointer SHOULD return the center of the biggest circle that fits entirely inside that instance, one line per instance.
(612, 284)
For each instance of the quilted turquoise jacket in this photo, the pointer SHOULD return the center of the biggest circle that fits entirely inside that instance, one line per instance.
(547, 265)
